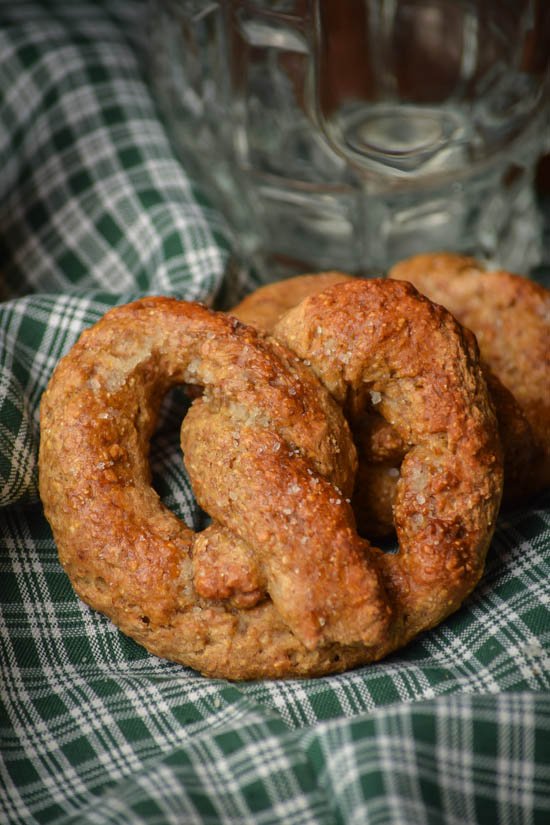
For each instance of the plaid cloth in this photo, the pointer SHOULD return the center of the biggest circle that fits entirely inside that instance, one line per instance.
(95, 210)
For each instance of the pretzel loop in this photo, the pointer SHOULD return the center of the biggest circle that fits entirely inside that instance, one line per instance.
(422, 373)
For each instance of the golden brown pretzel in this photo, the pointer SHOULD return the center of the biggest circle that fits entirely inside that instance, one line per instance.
(131, 558)
(270, 457)
(510, 316)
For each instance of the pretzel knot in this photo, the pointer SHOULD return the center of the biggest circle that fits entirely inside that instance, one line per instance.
(280, 583)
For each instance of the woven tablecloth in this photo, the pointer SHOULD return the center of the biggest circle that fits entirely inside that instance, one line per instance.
(96, 210)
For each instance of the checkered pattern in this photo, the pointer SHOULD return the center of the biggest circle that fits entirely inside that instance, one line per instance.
(95, 210)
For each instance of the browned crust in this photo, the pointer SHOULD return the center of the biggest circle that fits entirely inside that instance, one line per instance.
(263, 307)
(424, 369)
(270, 456)
(510, 316)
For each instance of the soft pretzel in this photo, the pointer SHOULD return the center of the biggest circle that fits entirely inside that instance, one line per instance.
(285, 447)
(280, 584)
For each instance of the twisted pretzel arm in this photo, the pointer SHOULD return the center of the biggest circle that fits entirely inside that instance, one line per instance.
(380, 448)
(301, 527)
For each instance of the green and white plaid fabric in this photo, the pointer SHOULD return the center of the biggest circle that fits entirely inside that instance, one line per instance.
(95, 210)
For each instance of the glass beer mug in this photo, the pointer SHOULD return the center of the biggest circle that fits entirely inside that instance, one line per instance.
(348, 134)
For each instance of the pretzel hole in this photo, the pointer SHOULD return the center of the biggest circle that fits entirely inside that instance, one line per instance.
(169, 477)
